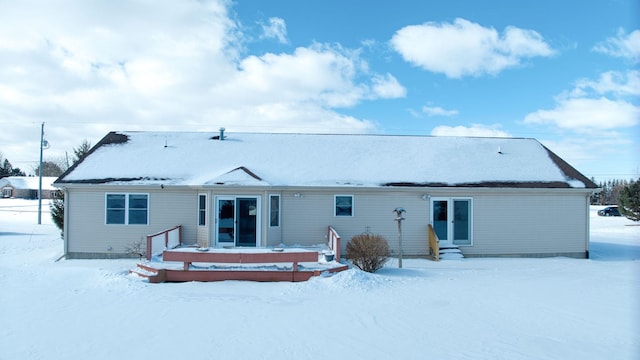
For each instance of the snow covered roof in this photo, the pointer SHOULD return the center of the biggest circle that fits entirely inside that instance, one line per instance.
(27, 182)
(262, 159)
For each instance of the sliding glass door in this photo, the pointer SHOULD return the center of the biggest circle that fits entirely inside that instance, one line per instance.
(237, 221)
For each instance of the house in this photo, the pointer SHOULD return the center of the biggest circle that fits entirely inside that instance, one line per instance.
(26, 187)
(487, 196)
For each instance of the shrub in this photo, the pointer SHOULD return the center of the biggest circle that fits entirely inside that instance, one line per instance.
(138, 248)
(368, 252)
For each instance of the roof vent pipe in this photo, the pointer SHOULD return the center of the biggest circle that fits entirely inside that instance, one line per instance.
(221, 134)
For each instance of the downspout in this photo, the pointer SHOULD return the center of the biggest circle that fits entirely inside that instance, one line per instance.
(588, 225)
(65, 226)
(264, 228)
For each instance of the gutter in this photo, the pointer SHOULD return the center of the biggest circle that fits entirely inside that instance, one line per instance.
(65, 226)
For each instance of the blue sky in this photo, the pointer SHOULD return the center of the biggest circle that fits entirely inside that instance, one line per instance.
(564, 72)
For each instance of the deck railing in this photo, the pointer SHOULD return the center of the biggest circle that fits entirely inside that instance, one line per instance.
(166, 239)
(434, 248)
(334, 242)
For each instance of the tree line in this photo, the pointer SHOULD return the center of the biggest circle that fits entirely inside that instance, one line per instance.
(50, 167)
(6, 169)
(611, 190)
(625, 194)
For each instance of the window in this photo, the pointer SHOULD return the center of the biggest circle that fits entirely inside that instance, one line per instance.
(6, 192)
(131, 209)
(343, 205)
(274, 210)
(202, 210)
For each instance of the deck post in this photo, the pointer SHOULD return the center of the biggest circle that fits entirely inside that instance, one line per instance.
(149, 237)
(334, 242)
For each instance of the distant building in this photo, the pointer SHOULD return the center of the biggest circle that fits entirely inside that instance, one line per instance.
(26, 187)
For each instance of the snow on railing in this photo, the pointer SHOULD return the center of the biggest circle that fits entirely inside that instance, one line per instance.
(434, 248)
(334, 242)
(166, 239)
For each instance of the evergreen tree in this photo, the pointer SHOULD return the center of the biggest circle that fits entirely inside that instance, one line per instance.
(17, 172)
(610, 192)
(81, 150)
(6, 169)
(629, 201)
(595, 197)
(56, 208)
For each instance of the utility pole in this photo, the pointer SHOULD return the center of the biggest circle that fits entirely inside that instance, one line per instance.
(40, 176)
(399, 219)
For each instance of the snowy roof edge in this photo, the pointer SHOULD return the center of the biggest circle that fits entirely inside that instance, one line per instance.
(571, 174)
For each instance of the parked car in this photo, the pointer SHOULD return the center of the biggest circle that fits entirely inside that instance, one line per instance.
(609, 211)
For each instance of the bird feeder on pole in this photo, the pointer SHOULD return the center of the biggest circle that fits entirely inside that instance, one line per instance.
(399, 211)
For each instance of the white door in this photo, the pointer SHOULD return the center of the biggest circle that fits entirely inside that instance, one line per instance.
(237, 221)
(451, 220)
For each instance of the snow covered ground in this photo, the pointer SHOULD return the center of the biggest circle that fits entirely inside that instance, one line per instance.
(554, 308)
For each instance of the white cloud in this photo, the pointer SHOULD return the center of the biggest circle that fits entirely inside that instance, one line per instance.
(438, 111)
(322, 74)
(605, 114)
(95, 68)
(465, 48)
(614, 82)
(387, 87)
(478, 130)
(583, 114)
(623, 45)
(603, 104)
(276, 29)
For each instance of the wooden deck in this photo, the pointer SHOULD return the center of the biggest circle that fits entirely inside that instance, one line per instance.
(199, 265)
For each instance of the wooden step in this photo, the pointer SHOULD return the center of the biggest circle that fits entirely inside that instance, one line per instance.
(149, 273)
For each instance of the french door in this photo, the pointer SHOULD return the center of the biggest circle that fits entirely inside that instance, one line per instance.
(237, 221)
(451, 219)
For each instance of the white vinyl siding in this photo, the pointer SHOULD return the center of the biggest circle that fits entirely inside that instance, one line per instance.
(87, 234)
(305, 219)
(514, 224)
(517, 222)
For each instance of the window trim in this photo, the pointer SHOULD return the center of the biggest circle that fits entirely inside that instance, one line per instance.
(279, 219)
(335, 205)
(126, 208)
(202, 221)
